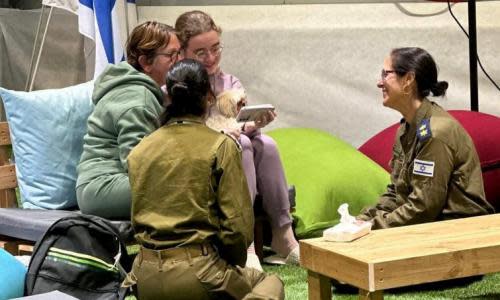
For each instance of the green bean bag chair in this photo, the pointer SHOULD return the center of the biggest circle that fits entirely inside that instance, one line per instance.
(326, 172)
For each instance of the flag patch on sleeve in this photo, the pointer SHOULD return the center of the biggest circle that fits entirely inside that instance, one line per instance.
(423, 167)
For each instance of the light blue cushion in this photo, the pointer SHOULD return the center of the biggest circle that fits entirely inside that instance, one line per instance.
(47, 129)
(11, 276)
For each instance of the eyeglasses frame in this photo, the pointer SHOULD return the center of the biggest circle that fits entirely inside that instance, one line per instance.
(202, 54)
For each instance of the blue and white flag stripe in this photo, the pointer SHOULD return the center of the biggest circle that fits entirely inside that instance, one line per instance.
(97, 19)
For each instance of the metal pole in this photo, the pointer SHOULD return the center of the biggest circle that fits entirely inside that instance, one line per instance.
(474, 98)
(40, 50)
(35, 43)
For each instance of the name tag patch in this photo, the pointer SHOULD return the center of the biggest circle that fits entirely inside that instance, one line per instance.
(423, 167)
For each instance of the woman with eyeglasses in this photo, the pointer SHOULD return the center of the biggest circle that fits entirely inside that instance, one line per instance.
(191, 210)
(200, 39)
(128, 102)
(436, 174)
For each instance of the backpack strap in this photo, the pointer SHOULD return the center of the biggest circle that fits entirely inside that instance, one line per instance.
(121, 246)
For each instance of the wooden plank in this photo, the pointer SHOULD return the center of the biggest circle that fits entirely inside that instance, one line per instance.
(8, 179)
(8, 183)
(419, 240)
(333, 265)
(454, 264)
(16, 246)
(8, 198)
(318, 286)
(10, 246)
(4, 134)
(26, 248)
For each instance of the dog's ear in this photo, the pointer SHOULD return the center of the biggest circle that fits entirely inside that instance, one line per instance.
(227, 102)
(239, 94)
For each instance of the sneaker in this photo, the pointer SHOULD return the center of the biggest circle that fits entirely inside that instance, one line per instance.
(253, 262)
(293, 258)
(275, 260)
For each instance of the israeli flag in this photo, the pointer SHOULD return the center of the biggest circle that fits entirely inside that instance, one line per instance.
(423, 167)
(97, 20)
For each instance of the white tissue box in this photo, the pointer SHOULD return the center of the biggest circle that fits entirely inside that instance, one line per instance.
(347, 232)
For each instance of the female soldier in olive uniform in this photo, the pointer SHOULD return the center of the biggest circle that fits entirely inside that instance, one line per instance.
(190, 204)
(436, 173)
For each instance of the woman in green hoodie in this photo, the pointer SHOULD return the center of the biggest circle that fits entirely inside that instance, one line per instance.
(128, 102)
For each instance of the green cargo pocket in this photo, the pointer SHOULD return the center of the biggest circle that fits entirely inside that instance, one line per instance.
(223, 281)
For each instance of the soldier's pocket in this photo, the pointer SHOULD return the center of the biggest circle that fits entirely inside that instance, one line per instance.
(222, 281)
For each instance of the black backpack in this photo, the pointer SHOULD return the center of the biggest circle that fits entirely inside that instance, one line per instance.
(80, 255)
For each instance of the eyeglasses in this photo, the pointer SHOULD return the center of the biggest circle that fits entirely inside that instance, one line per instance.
(202, 54)
(385, 73)
(171, 55)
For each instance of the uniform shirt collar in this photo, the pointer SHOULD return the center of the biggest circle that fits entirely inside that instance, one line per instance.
(423, 112)
(187, 119)
(410, 128)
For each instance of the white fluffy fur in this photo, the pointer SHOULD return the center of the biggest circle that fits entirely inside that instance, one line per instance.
(222, 115)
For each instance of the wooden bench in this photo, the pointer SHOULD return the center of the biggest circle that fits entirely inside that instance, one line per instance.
(20, 229)
(8, 184)
(404, 256)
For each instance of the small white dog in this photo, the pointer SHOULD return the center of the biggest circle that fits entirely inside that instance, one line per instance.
(222, 114)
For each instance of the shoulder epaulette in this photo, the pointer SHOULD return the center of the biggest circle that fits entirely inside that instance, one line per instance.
(424, 130)
(235, 140)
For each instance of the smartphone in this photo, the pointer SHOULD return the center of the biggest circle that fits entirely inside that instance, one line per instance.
(252, 112)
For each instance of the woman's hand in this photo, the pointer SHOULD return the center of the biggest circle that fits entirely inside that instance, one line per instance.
(265, 119)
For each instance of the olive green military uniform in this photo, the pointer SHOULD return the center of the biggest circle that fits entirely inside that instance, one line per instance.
(436, 174)
(193, 217)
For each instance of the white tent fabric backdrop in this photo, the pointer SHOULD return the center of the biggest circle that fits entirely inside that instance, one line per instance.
(318, 64)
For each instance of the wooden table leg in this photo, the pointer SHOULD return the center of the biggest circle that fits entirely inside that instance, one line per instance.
(319, 286)
(366, 295)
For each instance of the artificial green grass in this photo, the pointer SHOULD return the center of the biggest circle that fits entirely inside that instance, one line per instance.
(295, 279)
(487, 288)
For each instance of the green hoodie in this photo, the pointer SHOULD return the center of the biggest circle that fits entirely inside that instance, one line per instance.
(128, 104)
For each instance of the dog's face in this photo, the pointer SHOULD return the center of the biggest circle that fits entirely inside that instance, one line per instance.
(228, 101)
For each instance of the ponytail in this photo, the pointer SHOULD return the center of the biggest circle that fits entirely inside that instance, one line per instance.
(439, 88)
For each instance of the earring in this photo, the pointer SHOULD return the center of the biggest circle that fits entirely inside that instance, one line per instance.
(405, 92)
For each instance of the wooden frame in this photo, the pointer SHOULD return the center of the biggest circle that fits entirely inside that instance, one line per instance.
(8, 185)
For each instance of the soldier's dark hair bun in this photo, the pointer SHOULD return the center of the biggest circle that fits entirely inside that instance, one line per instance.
(187, 87)
(179, 89)
(439, 88)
